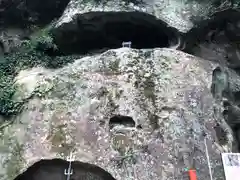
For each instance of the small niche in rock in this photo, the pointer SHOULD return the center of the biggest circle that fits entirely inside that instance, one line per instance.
(108, 30)
(53, 169)
(236, 97)
(231, 115)
(139, 126)
(220, 86)
(221, 134)
(126, 121)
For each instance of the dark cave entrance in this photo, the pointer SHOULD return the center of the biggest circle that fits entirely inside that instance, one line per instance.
(53, 169)
(107, 30)
(216, 38)
(121, 120)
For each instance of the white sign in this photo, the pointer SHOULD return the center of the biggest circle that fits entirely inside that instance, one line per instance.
(231, 165)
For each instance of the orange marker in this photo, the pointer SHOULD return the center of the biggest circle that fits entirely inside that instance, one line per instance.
(192, 174)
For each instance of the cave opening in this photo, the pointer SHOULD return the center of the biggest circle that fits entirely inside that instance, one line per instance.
(95, 31)
(216, 38)
(126, 121)
(53, 169)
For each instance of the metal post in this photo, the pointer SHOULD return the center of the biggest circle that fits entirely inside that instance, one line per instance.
(208, 159)
(68, 172)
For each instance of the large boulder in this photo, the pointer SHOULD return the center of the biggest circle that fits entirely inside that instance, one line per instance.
(208, 29)
(182, 15)
(139, 114)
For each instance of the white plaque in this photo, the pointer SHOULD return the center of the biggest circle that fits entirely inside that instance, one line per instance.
(231, 165)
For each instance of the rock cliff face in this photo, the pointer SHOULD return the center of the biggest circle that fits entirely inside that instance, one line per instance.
(165, 92)
(182, 15)
(139, 113)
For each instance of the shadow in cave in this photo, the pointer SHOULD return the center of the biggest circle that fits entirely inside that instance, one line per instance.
(53, 169)
(221, 134)
(216, 38)
(205, 30)
(121, 120)
(107, 30)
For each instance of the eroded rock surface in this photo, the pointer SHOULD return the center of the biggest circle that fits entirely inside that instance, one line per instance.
(165, 92)
(182, 15)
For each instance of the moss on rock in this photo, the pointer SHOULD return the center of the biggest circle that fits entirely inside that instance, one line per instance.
(31, 53)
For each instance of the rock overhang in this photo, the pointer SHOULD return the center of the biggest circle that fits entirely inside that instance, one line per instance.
(107, 30)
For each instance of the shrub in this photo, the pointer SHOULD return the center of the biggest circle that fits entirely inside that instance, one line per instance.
(7, 89)
(31, 53)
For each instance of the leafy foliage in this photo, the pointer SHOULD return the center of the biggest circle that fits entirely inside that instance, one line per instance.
(7, 90)
(32, 53)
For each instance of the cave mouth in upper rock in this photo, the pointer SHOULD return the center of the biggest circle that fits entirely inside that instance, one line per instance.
(108, 30)
(216, 39)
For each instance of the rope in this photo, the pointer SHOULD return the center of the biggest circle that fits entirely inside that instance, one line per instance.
(208, 159)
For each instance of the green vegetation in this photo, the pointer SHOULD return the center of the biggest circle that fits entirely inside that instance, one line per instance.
(38, 51)
(7, 90)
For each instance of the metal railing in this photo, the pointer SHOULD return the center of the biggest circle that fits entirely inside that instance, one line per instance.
(68, 172)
